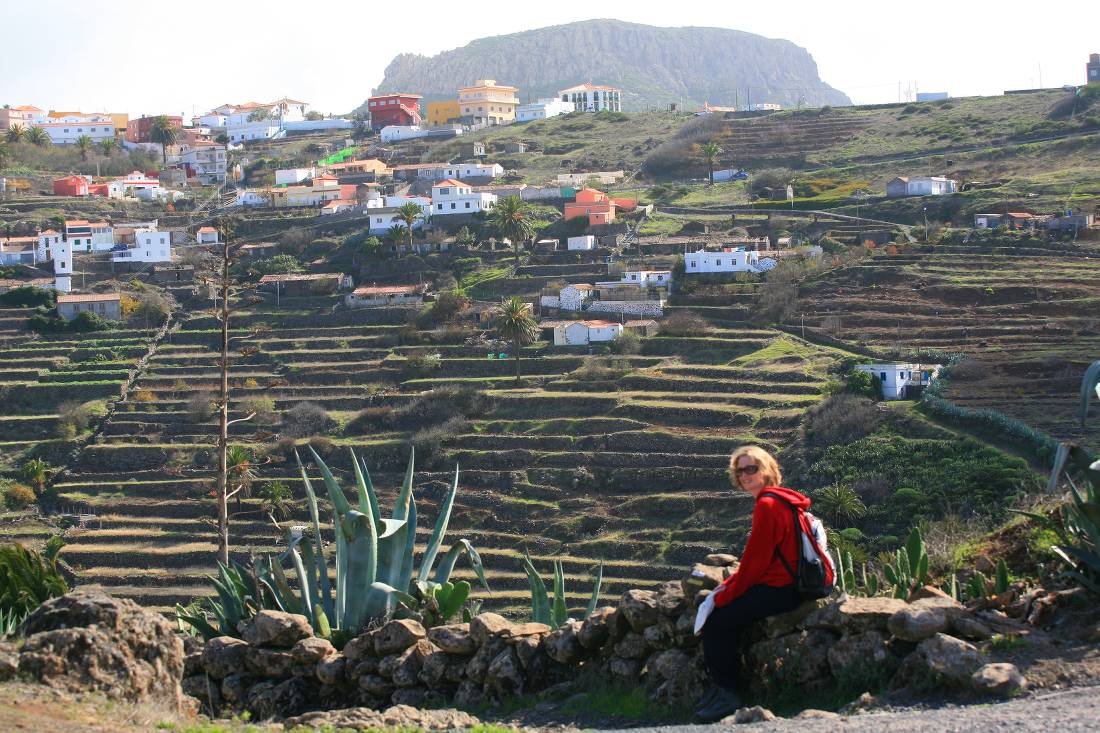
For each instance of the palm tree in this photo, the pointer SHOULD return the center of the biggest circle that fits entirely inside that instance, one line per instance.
(514, 323)
(37, 136)
(276, 499)
(409, 214)
(163, 133)
(509, 219)
(711, 151)
(238, 464)
(109, 145)
(84, 144)
(16, 134)
(395, 234)
(840, 503)
(36, 472)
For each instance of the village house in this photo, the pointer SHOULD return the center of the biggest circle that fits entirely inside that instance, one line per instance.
(338, 206)
(72, 186)
(303, 284)
(323, 189)
(920, 186)
(206, 235)
(104, 305)
(18, 250)
(728, 259)
(203, 160)
(572, 297)
(173, 274)
(369, 169)
(402, 110)
(442, 171)
(397, 133)
(1008, 220)
(581, 333)
(25, 116)
(451, 197)
(140, 130)
(475, 149)
(149, 245)
(443, 113)
(543, 109)
(597, 206)
(97, 236)
(291, 176)
(902, 381)
(583, 243)
(259, 250)
(488, 103)
(593, 98)
(67, 129)
(382, 220)
(381, 296)
(1070, 222)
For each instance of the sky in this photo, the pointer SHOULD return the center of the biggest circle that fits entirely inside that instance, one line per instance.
(153, 58)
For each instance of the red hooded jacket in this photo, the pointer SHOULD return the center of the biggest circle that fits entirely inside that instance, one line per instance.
(772, 527)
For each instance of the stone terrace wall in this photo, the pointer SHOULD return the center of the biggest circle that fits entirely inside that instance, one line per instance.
(280, 669)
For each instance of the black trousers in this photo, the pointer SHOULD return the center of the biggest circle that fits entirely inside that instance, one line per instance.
(725, 626)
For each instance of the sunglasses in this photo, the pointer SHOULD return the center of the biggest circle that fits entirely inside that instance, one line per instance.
(746, 470)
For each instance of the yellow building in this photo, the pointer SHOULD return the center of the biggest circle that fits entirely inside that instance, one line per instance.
(487, 102)
(120, 120)
(442, 113)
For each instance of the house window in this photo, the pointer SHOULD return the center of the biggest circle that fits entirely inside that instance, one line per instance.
(693, 263)
(882, 376)
(452, 207)
(467, 204)
(439, 207)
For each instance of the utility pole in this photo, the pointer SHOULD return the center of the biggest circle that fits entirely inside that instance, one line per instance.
(223, 408)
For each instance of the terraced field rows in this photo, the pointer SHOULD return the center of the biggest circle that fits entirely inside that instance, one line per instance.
(623, 464)
(1029, 316)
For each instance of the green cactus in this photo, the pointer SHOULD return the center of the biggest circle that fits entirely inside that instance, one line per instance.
(1000, 579)
(977, 586)
(374, 560)
(556, 613)
(910, 571)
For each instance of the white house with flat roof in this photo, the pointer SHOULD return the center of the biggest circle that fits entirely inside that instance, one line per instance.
(544, 108)
(580, 333)
(725, 260)
(902, 381)
(451, 197)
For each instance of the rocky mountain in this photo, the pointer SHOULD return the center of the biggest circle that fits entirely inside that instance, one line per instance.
(653, 66)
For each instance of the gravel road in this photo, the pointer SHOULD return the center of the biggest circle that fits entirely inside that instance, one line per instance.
(1065, 712)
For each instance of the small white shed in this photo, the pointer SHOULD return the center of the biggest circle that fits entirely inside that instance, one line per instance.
(587, 242)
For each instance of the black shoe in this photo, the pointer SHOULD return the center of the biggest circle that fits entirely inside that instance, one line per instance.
(725, 703)
(707, 698)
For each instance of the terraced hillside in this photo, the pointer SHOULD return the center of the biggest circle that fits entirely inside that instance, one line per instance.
(1027, 313)
(620, 461)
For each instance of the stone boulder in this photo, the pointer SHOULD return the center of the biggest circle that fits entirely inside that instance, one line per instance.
(312, 650)
(9, 661)
(330, 670)
(859, 652)
(224, 656)
(703, 577)
(639, 607)
(453, 638)
(87, 640)
(940, 661)
(505, 677)
(856, 615)
(485, 626)
(1001, 679)
(275, 629)
(744, 716)
(397, 636)
(515, 632)
(597, 629)
(402, 717)
(563, 644)
(720, 559)
(269, 663)
(916, 623)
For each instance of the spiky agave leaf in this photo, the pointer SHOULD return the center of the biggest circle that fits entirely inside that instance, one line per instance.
(435, 541)
(540, 601)
(594, 600)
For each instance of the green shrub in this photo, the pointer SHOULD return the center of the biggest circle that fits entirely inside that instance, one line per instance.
(28, 579)
(28, 296)
(18, 497)
(840, 419)
(628, 343)
(306, 419)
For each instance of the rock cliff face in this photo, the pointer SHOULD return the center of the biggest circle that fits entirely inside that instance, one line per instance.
(653, 66)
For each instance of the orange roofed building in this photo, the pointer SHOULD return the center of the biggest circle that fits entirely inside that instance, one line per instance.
(597, 206)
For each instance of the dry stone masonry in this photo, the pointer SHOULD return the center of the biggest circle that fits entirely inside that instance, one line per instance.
(279, 669)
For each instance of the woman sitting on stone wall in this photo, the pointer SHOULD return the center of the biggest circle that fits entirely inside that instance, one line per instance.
(763, 585)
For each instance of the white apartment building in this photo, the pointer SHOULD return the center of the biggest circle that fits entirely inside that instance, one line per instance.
(543, 108)
(593, 98)
(89, 236)
(204, 160)
(726, 260)
(67, 130)
(451, 197)
(397, 201)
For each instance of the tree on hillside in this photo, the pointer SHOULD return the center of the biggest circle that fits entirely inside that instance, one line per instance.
(164, 134)
(16, 134)
(5, 153)
(394, 235)
(84, 145)
(514, 323)
(840, 503)
(37, 136)
(409, 214)
(510, 219)
(710, 152)
(109, 145)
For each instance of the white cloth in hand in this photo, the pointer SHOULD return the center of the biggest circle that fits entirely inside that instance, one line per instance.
(704, 611)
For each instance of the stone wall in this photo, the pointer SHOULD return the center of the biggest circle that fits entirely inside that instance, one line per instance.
(280, 669)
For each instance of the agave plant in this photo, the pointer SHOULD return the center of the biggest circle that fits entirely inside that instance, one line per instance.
(556, 613)
(1078, 522)
(28, 579)
(910, 569)
(375, 557)
(236, 602)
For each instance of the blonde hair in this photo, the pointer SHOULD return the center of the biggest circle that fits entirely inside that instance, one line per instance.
(766, 461)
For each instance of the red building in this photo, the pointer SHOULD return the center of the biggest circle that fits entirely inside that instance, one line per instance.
(139, 130)
(70, 186)
(394, 109)
(597, 206)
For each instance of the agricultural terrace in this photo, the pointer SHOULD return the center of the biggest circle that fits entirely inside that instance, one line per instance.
(619, 459)
(1026, 314)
